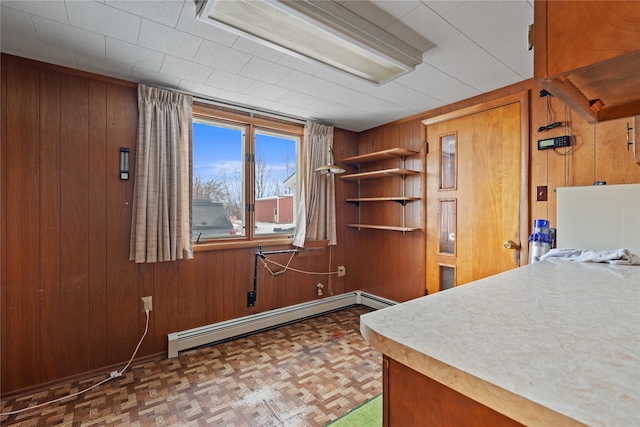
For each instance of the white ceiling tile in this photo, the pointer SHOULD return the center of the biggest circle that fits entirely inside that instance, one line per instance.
(223, 80)
(264, 71)
(16, 24)
(101, 19)
(296, 99)
(199, 89)
(71, 38)
(462, 59)
(398, 94)
(442, 7)
(325, 91)
(301, 113)
(303, 65)
(189, 24)
(392, 116)
(265, 90)
(334, 92)
(185, 69)
(491, 13)
(151, 78)
(437, 84)
(358, 121)
(168, 40)
(165, 12)
(330, 108)
(102, 66)
(383, 108)
(135, 55)
(256, 49)
(420, 27)
(250, 101)
(377, 106)
(301, 82)
(50, 9)
(505, 33)
(221, 57)
(33, 49)
(347, 80)
(381, 13)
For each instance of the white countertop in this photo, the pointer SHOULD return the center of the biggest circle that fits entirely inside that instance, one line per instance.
(552, 343)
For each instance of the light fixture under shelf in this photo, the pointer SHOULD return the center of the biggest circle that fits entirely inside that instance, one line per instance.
(330, 168)
(321, 31)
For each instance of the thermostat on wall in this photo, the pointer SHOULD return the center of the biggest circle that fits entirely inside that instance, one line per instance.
(558, 141)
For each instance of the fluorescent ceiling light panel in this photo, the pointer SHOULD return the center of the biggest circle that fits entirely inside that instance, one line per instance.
(320, 30)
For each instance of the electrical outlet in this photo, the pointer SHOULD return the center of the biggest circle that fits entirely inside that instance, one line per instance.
(147, 304)
(251, 299)
(342, 271)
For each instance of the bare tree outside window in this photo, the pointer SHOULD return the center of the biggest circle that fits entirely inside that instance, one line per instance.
(265, 184)
(213, 189)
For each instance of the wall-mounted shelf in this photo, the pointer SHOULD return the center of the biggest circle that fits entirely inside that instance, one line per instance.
(398, 199)
(379, 155)
(378, 174)
(383, 227)
(402, 172)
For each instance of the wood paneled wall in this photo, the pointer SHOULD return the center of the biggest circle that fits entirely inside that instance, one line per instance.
(69, 296)
(385, 263)
(600, 154)
(70, 299)
(392, 265)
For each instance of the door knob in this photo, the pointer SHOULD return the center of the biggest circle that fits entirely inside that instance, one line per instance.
(510, 244)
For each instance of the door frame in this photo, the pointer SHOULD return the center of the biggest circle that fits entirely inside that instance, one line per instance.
(523, 99)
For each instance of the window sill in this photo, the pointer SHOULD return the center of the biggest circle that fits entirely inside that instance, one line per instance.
(240, 244)
(217, 246)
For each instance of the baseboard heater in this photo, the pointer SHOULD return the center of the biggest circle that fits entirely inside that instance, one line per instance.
(179, 341)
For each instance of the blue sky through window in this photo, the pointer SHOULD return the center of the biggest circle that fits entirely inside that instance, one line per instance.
(217, 151)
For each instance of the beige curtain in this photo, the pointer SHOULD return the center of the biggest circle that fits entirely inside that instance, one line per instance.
(161, 218)
(316, 219)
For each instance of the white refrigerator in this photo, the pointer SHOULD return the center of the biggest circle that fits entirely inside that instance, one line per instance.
(599, 217)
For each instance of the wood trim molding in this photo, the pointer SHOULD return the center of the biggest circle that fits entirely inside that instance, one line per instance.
(521, 97)
(220, 113)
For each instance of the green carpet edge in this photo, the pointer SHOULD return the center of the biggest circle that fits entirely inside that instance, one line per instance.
(353, 410)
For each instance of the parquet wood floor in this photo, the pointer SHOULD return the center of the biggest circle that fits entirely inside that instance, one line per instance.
(304, 374)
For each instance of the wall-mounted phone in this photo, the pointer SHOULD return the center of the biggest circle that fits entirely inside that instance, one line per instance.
(557, 142)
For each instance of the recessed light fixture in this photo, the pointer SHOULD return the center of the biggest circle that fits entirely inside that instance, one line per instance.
(319, 30)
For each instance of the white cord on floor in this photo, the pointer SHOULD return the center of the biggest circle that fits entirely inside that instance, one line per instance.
(114, 374)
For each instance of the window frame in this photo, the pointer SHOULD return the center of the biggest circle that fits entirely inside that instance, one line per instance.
(251, 124)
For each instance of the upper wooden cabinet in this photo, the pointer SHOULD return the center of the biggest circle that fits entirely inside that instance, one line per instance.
(587, 54)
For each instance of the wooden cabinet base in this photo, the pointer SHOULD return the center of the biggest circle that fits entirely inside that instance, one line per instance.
(412, 399)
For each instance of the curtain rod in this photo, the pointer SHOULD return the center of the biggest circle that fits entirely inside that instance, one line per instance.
(251, 111)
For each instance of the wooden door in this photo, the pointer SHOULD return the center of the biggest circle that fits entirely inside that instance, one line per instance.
(475, 189)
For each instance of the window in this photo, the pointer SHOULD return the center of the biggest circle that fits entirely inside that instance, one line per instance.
(245, 181)
(448, 162)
